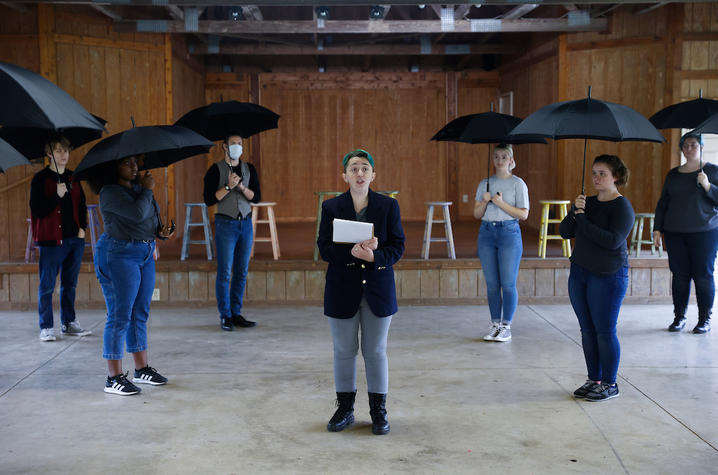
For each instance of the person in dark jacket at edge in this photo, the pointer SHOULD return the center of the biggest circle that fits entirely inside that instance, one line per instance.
(360, 289)
(59, 220)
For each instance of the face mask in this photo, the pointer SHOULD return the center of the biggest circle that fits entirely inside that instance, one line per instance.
(235, 151)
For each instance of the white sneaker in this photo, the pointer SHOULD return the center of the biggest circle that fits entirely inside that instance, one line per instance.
(73, 328)
(504, 333)
(492, 332)
(47, 334)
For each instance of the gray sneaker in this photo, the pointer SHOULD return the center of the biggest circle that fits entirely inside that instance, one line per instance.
(47, 334)
(73, 328)
(504, 333)
(493, 331)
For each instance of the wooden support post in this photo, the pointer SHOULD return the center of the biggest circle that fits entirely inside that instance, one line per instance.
(452, 156)
(48, 50)
(672, 91)
(169, 118)
(563, 165)
(255, 141)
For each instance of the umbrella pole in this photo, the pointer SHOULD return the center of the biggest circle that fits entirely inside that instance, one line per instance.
(583, 170)
(488, 169)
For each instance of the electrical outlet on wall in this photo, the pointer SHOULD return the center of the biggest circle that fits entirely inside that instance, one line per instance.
(156, 294)
(465, 198)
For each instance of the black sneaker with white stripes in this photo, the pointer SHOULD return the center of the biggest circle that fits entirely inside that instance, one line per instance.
(149, 375)
(120, 385)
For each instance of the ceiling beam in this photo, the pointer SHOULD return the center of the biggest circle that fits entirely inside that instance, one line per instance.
(363, 26)
(176, 12)
(518, 12)
(107, 12)
(352, 50)
(252, 13)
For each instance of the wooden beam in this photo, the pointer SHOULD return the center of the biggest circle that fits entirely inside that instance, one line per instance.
(175, 12)
(706, 74)
(169, 118)
(106, 43)
(374, 50)
(623, 42)
(256, 139)
(373, 27)
(16, 7)
(518, 12)
(48, 49)
(672, 89)
(452, 155)
(252, 13)
(109, 13)
(562, 161)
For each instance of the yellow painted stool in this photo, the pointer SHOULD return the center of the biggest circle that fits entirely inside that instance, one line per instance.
(637, 234)
(273, 237)
(449, 236)
(544, 236)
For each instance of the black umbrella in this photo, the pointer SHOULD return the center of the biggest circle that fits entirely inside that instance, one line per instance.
(9, 157)
(589, 119)
(686, 115)
(161, 145)
(708, 126)
(485, 127)
(31, 141)
(219, 120)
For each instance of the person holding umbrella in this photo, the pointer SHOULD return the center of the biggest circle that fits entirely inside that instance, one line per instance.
(598, 278)
(125, 267)
(687, 217)
(59, 219)
(500, 206)
(360, 289)
(232, 184)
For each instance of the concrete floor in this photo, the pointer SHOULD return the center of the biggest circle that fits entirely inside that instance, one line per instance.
(257, 401)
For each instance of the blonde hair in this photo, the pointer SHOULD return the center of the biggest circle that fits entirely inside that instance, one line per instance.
(510, 150)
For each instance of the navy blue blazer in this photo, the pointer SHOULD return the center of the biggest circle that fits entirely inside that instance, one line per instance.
(349, 279)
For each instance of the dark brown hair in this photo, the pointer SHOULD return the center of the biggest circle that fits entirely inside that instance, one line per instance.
(619, 170)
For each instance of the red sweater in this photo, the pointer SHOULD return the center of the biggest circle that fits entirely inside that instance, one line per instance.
(45, 206)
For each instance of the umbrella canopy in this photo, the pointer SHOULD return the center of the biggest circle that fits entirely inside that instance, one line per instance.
(31, 141)
(589, 119)
(708, 126)
(161, 145)
(30, 100)
(9, 157)
(219, 120)
(685, 115)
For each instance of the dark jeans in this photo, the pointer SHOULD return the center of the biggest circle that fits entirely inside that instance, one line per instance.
(596, 299)
(233, 238)
(691, 256)
(66, 260)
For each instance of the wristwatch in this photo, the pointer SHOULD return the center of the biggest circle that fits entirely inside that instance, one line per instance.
(226, 187)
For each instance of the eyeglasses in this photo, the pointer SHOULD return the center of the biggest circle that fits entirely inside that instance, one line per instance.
(365, 169)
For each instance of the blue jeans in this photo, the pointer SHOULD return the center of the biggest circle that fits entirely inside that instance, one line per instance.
(500, 250)
(126, 271)
(691, 256)
(597, 299)
(66, 260)
(233, 238)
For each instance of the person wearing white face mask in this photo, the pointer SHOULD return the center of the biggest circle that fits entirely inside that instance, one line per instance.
(232, 185)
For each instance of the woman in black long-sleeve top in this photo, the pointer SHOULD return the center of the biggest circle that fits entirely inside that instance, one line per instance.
(360, 289)
(599, 273)
(687, 216)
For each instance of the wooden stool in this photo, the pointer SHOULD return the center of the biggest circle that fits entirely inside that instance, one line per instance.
(30, 246)
(544, 236)
(321, 196)
(188, 223)
(93, 223)
(273, 238)
(449, 237)
(637, 234)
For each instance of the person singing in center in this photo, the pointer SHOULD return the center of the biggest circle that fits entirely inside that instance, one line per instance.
(360, 289)
(500, 206)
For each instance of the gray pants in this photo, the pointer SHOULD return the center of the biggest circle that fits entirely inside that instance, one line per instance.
(374, 331)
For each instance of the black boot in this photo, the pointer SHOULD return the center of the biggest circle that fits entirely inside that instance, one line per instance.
(678, 323)
(704, 322)
(377, 411)
(344, 415)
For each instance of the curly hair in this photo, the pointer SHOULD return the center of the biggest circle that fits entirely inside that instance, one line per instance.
(619, 170)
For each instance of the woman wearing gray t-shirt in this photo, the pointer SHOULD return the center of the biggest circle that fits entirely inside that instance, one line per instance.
(500, 206)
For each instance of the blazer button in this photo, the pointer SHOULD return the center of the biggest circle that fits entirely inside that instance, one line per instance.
(363, 281)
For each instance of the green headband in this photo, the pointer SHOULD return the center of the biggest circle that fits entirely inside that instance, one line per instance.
(358, 153)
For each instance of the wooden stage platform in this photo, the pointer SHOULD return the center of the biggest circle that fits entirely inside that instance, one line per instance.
(296, 279)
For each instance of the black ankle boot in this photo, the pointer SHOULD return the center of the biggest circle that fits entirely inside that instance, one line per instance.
(704, 323)
(344, 415)
(678, 323)
(377, 411)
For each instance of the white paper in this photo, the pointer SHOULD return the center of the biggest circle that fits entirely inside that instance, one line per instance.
(352, 231)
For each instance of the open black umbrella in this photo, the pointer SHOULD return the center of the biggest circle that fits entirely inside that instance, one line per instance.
(708, 126)
(484, 127)
(589, 119)
(218, 120)
(31, 141)
(161, 145)
(9, 157)
(686, 115)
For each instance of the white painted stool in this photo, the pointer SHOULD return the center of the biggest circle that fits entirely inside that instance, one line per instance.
(273, 237)
(188, 223)
(449, 237)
